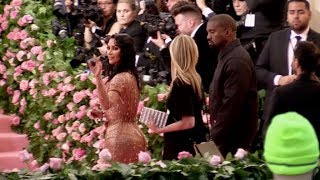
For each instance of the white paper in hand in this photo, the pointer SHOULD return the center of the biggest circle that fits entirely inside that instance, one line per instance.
(148, 114)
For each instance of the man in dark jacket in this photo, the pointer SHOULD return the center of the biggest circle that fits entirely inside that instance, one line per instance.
(273, 67)
(233, 91)
(302, 95)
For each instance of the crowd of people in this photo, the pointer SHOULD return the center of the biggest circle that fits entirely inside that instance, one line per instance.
(227, 49)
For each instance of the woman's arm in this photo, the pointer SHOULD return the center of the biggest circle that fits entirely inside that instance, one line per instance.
(186, 122)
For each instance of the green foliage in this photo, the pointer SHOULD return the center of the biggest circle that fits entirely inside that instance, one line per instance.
(186, 168)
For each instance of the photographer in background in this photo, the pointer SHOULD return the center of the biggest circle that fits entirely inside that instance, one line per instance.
(107, 8)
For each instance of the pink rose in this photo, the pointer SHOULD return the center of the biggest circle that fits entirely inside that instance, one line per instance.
(240, 154)
(101, 167)
(20, 54)
(21, 23)
(161, 97)
(82, 128)
(3, 69)
(100, 130)
(33, 83)
(9, 90)
(24, 85)
(70, 106)
(16, 97)
(23, 34)
(144, 157)
(67, 80)
(36, 50)
(28, 65)
(99, 144)
(215, 160)
(27, 19)
(24, 155)
(61, 119)
(105, 155)
(4, 25)
(55, 163)
(34, 165)
(84, 76)
(2, 82)
(79, 153)
(44, 168)
(75, 136)
(65, 147)
(37, 125)
(61, 136)
(57, 131)
(78, 96)
(184, 154)
(48, 116)
(13, 14)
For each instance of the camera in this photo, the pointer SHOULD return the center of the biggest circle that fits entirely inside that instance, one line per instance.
(163, 22)
(59, 8)
(153, 76)
(59, 29)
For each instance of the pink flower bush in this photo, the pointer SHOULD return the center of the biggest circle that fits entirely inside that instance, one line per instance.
(215, 160)
(184, 154)
(240, 154)
(144, 157)
(79, 153)
(15, 120)
(24, 156)
(105, 155)
(55, 163)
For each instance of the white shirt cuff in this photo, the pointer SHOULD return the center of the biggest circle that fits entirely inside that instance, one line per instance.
(276, 80)
(206, 11)
(167, 40)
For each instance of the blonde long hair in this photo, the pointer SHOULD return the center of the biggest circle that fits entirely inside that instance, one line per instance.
(184, 57)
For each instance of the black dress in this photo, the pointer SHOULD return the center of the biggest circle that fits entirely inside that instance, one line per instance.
(183, 101)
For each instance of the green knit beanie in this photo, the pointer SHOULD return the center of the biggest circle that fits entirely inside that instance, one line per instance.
(291, 146)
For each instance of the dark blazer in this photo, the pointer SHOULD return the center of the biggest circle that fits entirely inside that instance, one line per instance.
(273, 60)
(207, 60)
(301, 96)
(138, 34)
(233, 100)
(269, 17)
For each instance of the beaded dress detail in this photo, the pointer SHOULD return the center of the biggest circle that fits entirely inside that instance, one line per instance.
(124, 138)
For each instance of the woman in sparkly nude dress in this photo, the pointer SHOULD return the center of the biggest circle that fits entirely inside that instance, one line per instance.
(119, 99)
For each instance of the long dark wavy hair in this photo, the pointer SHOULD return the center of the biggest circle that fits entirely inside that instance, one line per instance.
(127, 57)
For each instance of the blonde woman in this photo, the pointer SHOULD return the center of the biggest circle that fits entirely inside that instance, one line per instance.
(184, 126)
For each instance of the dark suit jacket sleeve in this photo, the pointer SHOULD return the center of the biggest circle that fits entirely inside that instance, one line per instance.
(276, 107)
(236, 85)
(257, 5)
(264, 76)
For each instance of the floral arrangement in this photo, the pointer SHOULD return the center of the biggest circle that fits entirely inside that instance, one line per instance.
(241, 166)
(51, 101)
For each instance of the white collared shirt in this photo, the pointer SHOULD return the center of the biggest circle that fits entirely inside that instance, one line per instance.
(195, 30)
(292, 44)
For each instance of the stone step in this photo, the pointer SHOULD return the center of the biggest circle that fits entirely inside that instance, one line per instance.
(11, 160)
(5, 123)
(12, 142)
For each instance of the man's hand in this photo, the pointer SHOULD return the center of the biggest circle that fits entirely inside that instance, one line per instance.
(159, 41)
(284, 80)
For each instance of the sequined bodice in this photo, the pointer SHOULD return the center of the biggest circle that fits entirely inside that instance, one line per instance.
(122, 130)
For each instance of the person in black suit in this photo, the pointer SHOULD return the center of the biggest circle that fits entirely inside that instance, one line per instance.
(188, 20)
(302, 95)
(273, 67)
(233, 91)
